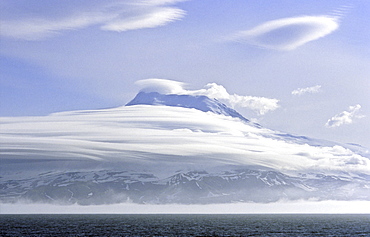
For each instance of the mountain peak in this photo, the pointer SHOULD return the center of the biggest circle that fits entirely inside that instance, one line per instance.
(201, 102)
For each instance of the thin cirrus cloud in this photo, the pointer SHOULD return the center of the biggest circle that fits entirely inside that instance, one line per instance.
(260, 105)
(115, 16)
(312, 90)
(288, 33)
(345, 117)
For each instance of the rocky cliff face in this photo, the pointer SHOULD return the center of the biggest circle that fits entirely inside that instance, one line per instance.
(193, 187)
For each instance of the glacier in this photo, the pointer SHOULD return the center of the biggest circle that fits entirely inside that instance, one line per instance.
(169, 148)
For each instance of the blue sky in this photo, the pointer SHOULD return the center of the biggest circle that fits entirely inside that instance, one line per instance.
(312, 57)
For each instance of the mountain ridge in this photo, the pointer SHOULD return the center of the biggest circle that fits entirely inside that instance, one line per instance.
(191, 187)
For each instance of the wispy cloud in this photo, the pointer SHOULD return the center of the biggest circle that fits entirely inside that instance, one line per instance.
(312, 90)
(345, 117)
(289, 33)
(110, 15)
(137, 135)
(260, 105)
(156, 17)
(341, 11)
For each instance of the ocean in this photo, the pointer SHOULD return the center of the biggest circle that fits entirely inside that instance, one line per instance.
(185, 225)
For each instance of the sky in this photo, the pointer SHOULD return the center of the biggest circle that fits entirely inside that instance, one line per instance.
(297, 66)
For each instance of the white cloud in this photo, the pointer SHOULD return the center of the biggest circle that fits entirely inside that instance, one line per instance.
(111, 15)
(191, 138)
(39, 28)
(260, 105)
(289, 33)
(312, 89)
(162, 86)
(157, 17)
(345, 117)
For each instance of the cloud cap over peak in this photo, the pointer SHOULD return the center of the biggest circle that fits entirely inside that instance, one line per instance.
(289, 33)
(162, 86)
(260, 105)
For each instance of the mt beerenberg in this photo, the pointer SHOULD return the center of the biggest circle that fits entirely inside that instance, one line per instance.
(202, 103)
(171, 149)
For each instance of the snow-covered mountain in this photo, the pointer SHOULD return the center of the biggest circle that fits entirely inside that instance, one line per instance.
(201, 102)
(171, 149)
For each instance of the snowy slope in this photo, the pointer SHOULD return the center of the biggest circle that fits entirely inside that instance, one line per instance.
(202, 103)
(171, 149)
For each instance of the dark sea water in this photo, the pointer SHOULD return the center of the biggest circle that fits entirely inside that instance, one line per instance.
(185, 225)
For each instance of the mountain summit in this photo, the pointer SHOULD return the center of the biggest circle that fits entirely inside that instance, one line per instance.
(202, 103)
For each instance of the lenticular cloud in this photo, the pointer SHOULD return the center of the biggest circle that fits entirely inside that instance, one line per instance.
(289, 33)
(119, 16)
(162, 86)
